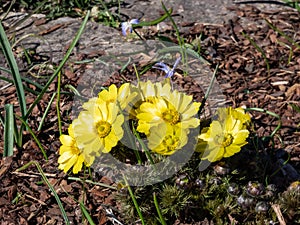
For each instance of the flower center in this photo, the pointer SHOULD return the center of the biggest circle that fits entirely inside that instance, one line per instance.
(225, 140)
(103, 128)
(75, 150)
(170, 142)
(171, 116)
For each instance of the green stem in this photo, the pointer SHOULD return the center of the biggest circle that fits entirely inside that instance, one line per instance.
(153, 22)
(46, 112)
(50, 187)
(162, 220)
(180, 40)
(134, 201)
(144, 147)
(258, 49)
(34, 137)
(58, 103)
(208, 90)
(271, 114)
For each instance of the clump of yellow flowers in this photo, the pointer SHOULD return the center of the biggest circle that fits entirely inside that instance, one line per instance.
(163, 115)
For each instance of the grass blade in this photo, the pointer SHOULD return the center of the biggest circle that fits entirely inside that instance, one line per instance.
(46, 112)
(153, 22)
(14, 69)
(8, 10)
(34, 137)
(5, 70)
(9, 131)
(161, 218)
(168, 15)
(282, 34)
(180, 40)
(134, 201)
(259, 49)
(295, 107)
(63, 212)
(271, 114)
(208, 91)
(86, 214)
(58, 103)
(23, 79)
(60, 66)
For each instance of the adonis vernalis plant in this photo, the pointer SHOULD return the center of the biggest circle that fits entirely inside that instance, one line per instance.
(160, 114)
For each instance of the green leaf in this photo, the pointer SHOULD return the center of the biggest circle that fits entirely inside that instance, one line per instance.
(9, 131)
(6, 48)
(153, 22)
(34, 137)
(86, 213)
(60, 66)
(161, 218)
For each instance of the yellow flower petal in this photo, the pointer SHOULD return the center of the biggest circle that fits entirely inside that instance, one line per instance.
(240, 137)
(176, 108)
(231, 150)
(78, 164)
(65, 157)
(90, 104)
(65, 148)
(66, 140)
(68, 164)
(143, 127)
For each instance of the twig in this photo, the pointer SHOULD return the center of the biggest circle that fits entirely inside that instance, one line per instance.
(279, 215)
(289, 4)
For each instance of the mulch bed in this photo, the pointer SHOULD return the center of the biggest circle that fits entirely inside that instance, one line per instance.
(242, 75)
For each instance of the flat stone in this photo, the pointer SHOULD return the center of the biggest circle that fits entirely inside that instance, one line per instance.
(52, 39)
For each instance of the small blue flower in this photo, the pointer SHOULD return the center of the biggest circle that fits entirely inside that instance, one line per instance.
(169, 72)
(128, 25)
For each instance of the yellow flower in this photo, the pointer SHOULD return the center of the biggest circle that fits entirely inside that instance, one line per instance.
(70, 154)
(149, 89)
(121, 96)
(147, 92)
(222, 139)
(161, 110)
(169, 107)
(237, 113)
(166, 140)
(98, 128)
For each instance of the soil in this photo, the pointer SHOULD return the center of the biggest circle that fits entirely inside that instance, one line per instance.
(247, 76)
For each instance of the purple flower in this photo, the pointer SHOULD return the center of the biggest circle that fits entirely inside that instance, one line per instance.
(169, 72)
(128, 25)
